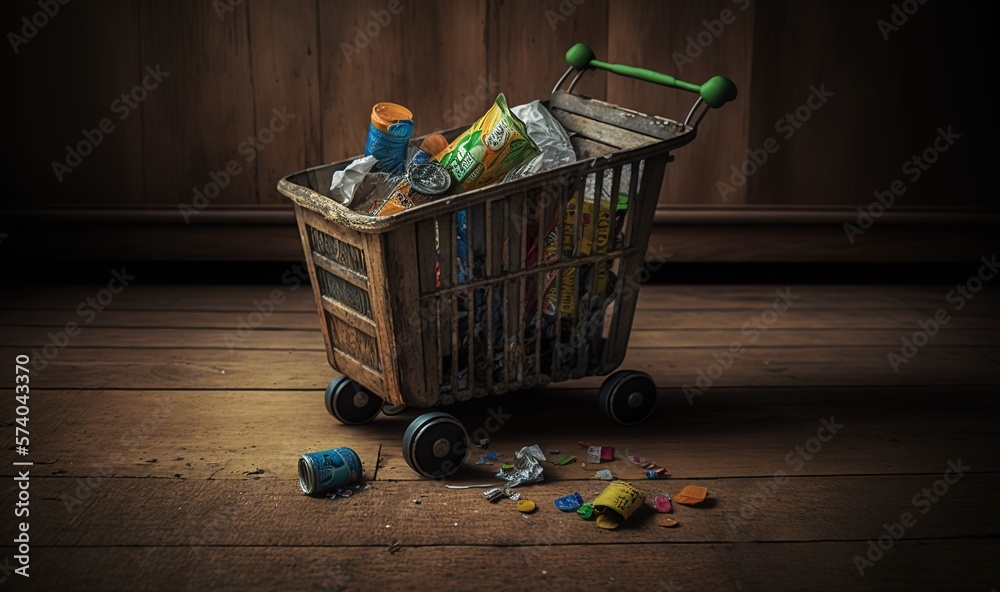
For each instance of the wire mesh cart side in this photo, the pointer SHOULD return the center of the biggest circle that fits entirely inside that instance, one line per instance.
(507, 287)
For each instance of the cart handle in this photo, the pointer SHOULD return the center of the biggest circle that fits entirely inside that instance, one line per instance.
(716, 91)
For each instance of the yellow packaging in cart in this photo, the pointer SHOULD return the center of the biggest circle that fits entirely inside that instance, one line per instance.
(568, 289)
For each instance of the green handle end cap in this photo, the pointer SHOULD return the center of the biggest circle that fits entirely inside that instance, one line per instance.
(579, 56)
(718, 91)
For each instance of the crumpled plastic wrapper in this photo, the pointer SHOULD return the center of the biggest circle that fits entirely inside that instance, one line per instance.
(550, 137)
(526, 468)
(344, 183)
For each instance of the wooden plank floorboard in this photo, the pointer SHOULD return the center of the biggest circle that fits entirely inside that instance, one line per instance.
(173, 297)
(750, 432)
(157, 512)
(904, 318)
(292, 369)
(955, 565)
(298, 339)
(165, 460)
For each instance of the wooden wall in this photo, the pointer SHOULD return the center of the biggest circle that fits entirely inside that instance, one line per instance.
(231, 66)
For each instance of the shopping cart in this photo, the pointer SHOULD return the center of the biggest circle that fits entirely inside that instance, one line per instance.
(507, 287)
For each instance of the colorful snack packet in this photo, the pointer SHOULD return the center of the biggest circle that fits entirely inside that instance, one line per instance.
(488, 150)
(616, 503)
(691, 495)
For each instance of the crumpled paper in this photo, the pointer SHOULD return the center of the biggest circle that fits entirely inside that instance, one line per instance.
(526, 467)
(344, 183)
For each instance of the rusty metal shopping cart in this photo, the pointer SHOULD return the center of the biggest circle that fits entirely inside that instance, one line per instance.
(454, 299)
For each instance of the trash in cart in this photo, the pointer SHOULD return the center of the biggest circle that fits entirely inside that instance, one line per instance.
(522, 271)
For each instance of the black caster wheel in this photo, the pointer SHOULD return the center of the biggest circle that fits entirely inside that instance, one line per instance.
(435, 445)
(628, 397)
(390, 410)
(351, 403)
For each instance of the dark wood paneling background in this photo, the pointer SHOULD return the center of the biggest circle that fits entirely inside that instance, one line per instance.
(447, 59)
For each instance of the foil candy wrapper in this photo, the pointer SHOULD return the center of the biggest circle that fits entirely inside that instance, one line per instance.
(493, 494)
(526, 467)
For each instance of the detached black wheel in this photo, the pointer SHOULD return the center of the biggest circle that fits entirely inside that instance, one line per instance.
(628, 397)
(351, 403)
(435, 445)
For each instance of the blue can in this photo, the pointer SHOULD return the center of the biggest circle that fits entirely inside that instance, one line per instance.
(324, 471)
(389, 135)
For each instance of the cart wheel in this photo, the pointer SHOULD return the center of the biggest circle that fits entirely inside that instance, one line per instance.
(393, 409)
(435, 445)
(628, 397)
(351, 403)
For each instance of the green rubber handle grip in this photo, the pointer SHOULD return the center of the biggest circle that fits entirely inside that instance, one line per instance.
(717, 91)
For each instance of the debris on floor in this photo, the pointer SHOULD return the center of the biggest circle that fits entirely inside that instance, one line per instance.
(667, 522)
(525, 506)
(493, 494)
(570, 502)
(616, 503)
(604, 475)
(524, 469)
(662, 503)
(653, 470)
(586, 511)
(327, 470)
(565, 460)
(691, 495)
(257, 471)
(598, 454)
(348, 491)
(473, 486)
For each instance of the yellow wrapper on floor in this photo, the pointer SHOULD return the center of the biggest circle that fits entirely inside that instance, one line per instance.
(616, 503)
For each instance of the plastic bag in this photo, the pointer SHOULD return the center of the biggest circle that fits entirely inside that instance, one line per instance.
(550, 137)
(345, 182)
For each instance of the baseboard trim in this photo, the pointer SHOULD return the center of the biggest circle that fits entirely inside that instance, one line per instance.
(681, 233)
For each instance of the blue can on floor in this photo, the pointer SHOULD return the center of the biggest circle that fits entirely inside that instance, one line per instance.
(327, 470)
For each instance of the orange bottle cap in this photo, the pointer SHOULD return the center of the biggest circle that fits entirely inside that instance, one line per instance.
(386, 114)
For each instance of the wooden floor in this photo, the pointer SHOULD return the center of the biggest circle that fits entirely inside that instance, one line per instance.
(166, 459)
